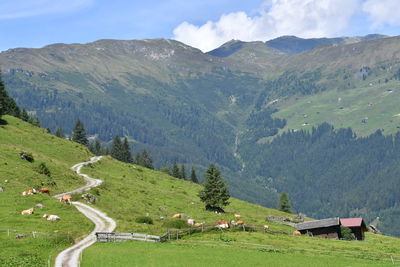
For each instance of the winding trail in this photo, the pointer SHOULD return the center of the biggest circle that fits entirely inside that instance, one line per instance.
(103, 223)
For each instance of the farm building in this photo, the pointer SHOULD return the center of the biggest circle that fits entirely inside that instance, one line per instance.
(330, 228)
(325, 228)
(356, 225)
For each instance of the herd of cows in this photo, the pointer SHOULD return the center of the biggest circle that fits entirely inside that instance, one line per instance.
(44, 190)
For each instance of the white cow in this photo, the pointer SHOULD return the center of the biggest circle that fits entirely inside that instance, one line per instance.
(51, 217)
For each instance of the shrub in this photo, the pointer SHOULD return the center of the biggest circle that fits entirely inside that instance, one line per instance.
(175, 224)
(26, 156)
(346, 233)
(144, 219)
(42, 169)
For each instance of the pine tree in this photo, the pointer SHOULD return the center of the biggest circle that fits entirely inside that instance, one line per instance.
(182, 172)
(126, 152)
(97, 147)
(215, 191)
(143, 159)
(7, 103)
(175, 172)
(284, 203)
(24, 115)
(79, 134)
(117, 149)
(60, 133)
(193, 176)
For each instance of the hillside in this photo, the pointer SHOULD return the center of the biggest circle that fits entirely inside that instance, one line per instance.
(130, 191)
(194, 108)
(17, 175)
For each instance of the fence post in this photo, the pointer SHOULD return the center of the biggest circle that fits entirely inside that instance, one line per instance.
(392, 259)
(8, 231)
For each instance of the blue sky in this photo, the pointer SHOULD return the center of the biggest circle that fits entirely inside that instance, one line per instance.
(203, 24)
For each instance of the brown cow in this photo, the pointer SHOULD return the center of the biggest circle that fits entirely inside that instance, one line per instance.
(29, 192)
(44, 190)
(177, 216)
(221, 224)
(198, 224)
(66, 199)
(240, 222)
(27, 212)
(296, 233)
(237, 216)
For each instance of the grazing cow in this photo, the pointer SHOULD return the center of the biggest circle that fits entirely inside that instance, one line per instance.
(198, 224)
(240, 222)
(27, 212)
(66, 199)
(221, 224)
(29, 192)
(297, 233)
(265, 227)
(20, 236)
(51, 217)
(237, 216)
(177, 216)
(44, 190)
(190, 221)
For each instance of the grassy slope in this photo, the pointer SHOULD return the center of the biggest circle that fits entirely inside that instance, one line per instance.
(374, 102)
(131, 191)
(59, 155)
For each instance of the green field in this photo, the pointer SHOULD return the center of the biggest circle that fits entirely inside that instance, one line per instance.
(346, 108)
(150, 254)
(58, 155)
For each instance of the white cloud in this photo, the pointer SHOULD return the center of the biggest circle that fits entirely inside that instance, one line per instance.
(382, 12)
(304, 18)
(14, 9)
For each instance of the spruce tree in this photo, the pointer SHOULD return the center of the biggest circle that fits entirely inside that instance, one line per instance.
(143, 159)
(24, 115)
(215, 192)
(175, 172)
(182, 172)
(284, 203)
(79, 134)
(193, 176)
(7, 103)
(97, 147)
(126, 152)
(117, 149)
(60, 133)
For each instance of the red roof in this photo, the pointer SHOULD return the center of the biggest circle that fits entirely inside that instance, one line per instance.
(352, 222)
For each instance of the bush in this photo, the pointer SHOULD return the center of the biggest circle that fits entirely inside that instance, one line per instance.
(144, 219)
(42, 169)
(175, 224)
(346, 233)
(26, 156)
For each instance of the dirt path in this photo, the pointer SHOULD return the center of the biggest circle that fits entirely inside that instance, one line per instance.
(103, 223)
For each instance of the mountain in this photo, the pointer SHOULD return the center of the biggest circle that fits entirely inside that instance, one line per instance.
(195, 108)
(291, 45)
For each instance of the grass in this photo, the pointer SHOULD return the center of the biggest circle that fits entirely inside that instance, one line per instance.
(58, 155)
(156, 254)
(130, 192)
(346, 108)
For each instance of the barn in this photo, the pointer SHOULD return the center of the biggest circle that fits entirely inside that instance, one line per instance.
(356, 225)
(325, 228)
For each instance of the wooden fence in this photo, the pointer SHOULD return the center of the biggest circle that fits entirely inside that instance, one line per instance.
(120, 237)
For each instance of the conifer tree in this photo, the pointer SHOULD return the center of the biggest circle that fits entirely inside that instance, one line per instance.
(117, 149)
(284, 203)
(182, 172)
(126, 152)
(215, 191)
(143, 159)
(175, 172)
(7, 103)
(60, 133)
(97, 147)
(24, 115)
(79, 134)
(193, 176)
